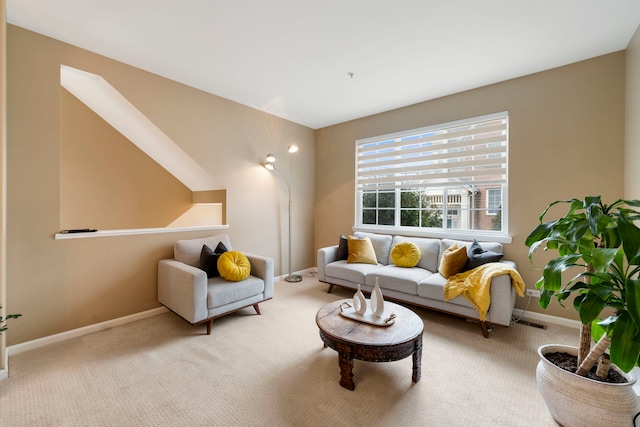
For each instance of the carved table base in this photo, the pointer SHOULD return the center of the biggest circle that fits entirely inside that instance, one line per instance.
(356, 340)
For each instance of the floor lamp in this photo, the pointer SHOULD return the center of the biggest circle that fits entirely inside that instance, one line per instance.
(270, 164)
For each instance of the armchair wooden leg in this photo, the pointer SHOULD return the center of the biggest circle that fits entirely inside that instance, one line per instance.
(209, 324)
(257, 308)
(330, 288)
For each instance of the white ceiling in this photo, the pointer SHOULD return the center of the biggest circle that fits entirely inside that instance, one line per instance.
(292, 58)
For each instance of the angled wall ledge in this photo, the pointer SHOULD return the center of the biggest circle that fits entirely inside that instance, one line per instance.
(97, 94)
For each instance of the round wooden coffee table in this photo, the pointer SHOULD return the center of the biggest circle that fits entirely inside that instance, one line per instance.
(357, 340)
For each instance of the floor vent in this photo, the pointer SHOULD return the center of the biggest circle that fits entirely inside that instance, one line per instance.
(535, 325)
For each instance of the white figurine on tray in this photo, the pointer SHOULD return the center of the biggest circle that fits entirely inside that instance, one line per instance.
(376, 303)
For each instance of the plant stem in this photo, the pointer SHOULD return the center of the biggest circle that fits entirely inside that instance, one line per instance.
(585, 330)
(594, 355)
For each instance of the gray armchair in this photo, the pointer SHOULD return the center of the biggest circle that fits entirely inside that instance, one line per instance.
(185, 289)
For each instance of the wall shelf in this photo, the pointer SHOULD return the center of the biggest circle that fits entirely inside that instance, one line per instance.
(135, 231)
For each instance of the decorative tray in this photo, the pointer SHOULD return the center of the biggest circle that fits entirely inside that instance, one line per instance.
(387, 319)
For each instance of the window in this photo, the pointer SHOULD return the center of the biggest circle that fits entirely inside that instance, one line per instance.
(448, 177)
(494, 196)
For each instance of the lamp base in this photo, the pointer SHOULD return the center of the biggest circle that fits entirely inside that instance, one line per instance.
(293, 278)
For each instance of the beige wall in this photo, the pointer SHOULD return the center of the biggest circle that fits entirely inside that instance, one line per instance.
(59, 285)
(106, 182)
(632, 122)
(566, 140)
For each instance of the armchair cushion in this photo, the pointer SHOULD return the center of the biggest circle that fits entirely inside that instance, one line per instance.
(234, 266)
(188, 251)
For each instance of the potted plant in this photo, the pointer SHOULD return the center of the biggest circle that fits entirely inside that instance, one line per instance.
(600, 244)
(3, 321)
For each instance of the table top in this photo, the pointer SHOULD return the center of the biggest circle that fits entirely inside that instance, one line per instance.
(407, 326)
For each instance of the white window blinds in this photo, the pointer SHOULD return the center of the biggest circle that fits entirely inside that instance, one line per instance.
(466, 152)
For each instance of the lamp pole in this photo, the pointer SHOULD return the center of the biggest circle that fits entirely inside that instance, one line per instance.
(271, 166)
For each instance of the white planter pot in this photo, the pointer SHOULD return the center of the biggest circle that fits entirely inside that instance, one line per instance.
(573, 400)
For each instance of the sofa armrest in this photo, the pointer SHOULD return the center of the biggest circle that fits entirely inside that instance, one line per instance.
(182, 288)
(263, 268)
(325, 256)
(503, 298)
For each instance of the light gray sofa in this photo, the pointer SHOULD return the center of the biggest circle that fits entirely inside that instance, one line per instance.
(421, 285)
(185, 289)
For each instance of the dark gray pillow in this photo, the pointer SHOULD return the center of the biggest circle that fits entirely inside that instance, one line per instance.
(343, 248)
(478, 256)
(209, 259)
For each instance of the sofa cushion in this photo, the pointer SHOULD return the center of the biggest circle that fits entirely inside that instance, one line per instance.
(478, 256)
(234, 266)
(489, 246)
(355, 273)
(188, 251)
(361, 251)
(399, 279)
(381, 245)
(453, 260)
(429, 251)
(405, 254)
(343, 248)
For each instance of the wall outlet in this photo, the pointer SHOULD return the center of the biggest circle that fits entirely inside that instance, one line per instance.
(533, 293)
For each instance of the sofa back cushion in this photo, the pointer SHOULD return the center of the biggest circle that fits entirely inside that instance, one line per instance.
(429, 251)
(188, 251)
(381, 245)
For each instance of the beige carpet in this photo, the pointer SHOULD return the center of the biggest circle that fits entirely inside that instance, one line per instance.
(272, 370)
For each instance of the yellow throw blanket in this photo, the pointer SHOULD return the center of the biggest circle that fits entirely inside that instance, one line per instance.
(475, 285)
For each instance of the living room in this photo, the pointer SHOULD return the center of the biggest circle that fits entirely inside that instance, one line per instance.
(573, 121)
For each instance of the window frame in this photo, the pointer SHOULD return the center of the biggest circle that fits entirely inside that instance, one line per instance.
(465, 234)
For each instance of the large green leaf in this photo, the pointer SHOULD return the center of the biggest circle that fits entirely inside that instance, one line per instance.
(633, 300)
(625, 345)
(601, 258)
(630, 235)
(590, 308)
(553, 271)
(541, 232)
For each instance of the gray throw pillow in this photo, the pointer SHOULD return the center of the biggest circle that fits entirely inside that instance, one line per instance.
(478, 256)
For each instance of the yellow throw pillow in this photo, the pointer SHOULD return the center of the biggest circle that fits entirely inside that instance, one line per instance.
(453, 260)
(361, 250)
(234, 266)
(405, 254)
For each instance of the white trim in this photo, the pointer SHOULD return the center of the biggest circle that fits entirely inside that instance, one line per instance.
(135, 231)
(545, 318)
(74, 333)
(469, 235)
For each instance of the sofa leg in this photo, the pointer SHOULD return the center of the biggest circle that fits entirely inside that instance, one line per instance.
(485, 329)
(209, 324)
(257, 308)
(330, 288)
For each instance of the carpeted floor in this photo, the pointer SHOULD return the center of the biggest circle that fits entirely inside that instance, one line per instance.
(272, 370)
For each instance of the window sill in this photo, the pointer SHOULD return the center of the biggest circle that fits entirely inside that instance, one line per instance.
(135, 231)
(439, 234)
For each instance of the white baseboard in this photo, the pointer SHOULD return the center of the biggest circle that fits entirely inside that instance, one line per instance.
(4, 372)
(545, 318)
(51, 339)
